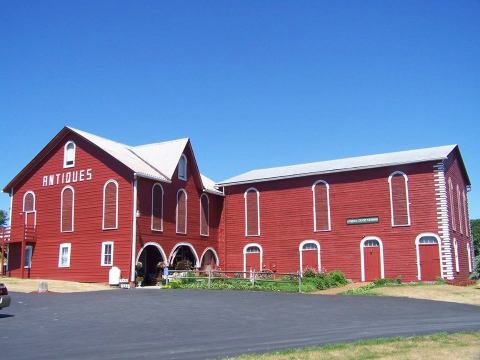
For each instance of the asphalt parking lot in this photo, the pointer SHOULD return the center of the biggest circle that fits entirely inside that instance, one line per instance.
(196, 324)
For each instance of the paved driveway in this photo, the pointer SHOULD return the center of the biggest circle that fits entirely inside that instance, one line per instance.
(195, 324)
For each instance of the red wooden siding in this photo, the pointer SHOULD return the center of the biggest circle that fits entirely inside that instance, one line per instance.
(110, 206)
(67, 209)
(321, 207)
(87, 237)
(251, 216)
(278, 218)
(399, 200)
(457, 216)
(169, 238)
(286, 220)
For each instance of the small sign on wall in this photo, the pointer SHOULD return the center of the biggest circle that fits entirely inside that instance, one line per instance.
(363, 220)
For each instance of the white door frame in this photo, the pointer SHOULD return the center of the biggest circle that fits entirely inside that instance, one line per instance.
(362, 259)
(300, 250)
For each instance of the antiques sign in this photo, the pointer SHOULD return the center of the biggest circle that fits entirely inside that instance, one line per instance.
(67, 177)
(363, 220)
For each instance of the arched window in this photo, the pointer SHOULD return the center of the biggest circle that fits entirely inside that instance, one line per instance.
(253, 250)
(452, 206)
(110, 205)
(204, 215)
(29, 202)
(459, 209)
(465, 214)
(29, 209)
(252, 212)
(69, 155)
(181, 212)
(399, 203)
(321, 206)
(469, 254)
(428, 240)
(182, 168)
(157, 207)
(67, 209)
(455, 249)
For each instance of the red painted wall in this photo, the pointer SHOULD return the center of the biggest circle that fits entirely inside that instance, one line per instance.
(453, 171)
(88, 235)
(168, 238)
(286, 218)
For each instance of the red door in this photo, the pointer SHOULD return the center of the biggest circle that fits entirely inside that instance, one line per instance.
(371, 257)
(310, 259)
(252, 261)
(429, 262)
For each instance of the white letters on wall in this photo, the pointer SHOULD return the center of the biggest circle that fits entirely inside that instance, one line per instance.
(67, 177)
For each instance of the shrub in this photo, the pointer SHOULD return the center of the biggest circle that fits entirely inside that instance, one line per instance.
(310, 273)
(476, 269)
(388, 281)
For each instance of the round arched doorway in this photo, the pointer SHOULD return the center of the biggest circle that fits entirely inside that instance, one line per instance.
(209, 260)
(183, 257)
(150, 256)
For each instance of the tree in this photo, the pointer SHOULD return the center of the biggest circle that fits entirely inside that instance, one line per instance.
(3, 218)
(476, 235)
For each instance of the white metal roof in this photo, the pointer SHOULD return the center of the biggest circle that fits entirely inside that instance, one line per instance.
(157, 161)
(347, 164)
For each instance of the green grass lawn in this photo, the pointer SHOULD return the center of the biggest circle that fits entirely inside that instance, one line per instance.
(465, 346)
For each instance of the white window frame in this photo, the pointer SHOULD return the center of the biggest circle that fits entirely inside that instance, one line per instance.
(315, 209)
(246, 212)
(102, 260)
(73, 209)
(469, 254)
(362, 256)
(28, 259)
(116, 205)
(452, 205)
(34, 211)
(465, 213)
(301, 250)
(65, 165)
(406, 196)
(417, 246)
(184, 164)
(459, 206)
(455, 249)
(69, 247)
(208, 215)
(245, 256)
(161, 212)
(186, 212)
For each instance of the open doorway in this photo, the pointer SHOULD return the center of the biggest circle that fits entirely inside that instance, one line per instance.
(183, 257)
(150, 256)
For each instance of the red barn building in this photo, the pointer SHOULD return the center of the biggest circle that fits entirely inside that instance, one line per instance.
(85, 204)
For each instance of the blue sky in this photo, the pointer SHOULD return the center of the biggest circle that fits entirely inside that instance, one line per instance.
(252, 83)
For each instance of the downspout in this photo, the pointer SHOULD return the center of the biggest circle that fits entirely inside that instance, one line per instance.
(11, 208)
(134, 227)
